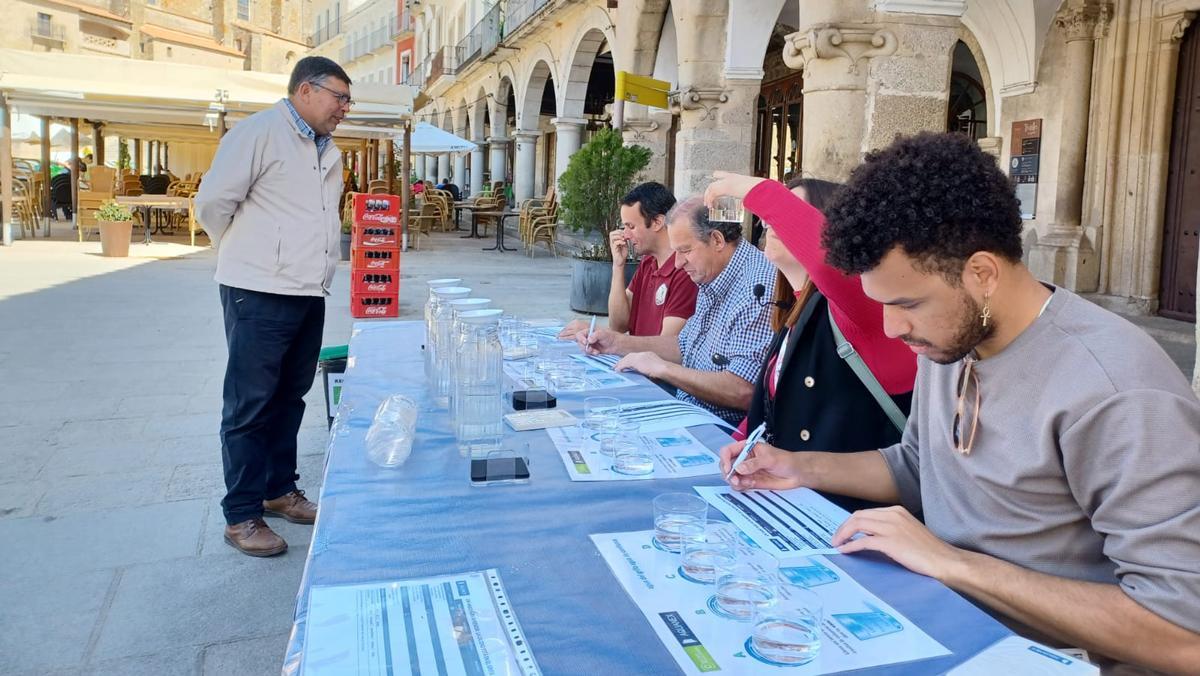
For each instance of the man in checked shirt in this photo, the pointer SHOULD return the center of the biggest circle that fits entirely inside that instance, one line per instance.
(714, 361)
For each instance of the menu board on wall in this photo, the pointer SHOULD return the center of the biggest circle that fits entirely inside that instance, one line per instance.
(1024, 159)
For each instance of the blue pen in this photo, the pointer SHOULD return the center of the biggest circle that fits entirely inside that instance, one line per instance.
(751, 441)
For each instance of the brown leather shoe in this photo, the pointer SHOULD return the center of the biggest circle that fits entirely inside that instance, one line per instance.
(254, 537)
(292, 506)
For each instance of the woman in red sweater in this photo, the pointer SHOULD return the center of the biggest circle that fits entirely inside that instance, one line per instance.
(808, 396)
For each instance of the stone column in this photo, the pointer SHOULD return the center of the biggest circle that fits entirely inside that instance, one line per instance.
(526, 161)
(477, 166)
(650, 130)
(1065, 255)
(460, 170)
(443, 167)
(498, 146)
(906, 53)
(431, 168)
(570, 133)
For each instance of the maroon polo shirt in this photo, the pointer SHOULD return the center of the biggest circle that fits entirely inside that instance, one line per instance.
(659, 292)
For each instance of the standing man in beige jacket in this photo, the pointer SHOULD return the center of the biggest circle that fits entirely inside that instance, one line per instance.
(270, 206)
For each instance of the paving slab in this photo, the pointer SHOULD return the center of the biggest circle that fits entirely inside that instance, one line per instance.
(83, 494)
(247, 656)
(47, 619)
(99, 539)
(200, 601)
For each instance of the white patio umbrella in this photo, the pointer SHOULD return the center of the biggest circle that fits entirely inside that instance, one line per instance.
(427, 138)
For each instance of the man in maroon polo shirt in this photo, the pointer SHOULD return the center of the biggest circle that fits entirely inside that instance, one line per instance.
(661, 297)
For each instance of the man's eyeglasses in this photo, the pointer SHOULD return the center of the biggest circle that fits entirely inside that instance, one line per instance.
(342, 99)
(964, 435)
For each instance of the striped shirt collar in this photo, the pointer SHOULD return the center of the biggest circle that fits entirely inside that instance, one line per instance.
(321, 141)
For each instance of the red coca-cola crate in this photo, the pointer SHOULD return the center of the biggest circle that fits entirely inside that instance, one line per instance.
(374, 305)
(374, 236)
(367, 282)
(376, 210)
(382, 259)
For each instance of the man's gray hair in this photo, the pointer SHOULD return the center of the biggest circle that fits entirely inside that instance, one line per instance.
(696, 213)
(315, 69)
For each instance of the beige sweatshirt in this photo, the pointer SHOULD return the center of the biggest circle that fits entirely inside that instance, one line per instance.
(270, 206)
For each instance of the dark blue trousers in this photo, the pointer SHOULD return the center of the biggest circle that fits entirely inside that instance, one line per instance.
(274, 342)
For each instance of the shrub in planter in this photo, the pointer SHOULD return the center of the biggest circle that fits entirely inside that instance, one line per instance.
(116, 228)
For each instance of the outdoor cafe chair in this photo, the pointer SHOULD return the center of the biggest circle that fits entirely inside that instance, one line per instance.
(544, 229)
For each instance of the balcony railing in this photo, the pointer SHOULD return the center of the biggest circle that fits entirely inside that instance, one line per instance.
(519, 12)
(482, 40)
(48, 32)
(415, 78)
(444, 62)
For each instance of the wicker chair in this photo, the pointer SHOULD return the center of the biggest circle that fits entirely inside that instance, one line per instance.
(544, 229)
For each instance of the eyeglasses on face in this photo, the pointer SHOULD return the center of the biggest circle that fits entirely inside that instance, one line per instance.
(342, 99)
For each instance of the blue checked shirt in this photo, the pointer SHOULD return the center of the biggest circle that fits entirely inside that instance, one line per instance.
(729, 321)
(321, 141)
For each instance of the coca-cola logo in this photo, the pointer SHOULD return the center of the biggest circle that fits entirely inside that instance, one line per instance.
(377, 288)
(384, 218)
(377, 311)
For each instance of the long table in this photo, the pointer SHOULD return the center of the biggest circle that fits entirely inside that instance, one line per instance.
(424, 518)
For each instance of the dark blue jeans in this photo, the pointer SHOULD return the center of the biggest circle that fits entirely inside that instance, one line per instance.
(274, 342)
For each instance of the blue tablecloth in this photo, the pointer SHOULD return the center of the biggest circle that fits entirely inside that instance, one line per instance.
(424, 518)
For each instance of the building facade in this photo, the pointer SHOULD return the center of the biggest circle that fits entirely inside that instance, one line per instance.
(360, 35)
(1087, 104)
(262, 35)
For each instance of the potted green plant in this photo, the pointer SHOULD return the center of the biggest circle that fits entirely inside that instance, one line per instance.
(590, 192)
(116, 228)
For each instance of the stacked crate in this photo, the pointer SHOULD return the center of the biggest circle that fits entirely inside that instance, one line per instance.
(375, 256)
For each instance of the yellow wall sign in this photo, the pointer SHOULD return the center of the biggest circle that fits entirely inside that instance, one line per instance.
(640, 89)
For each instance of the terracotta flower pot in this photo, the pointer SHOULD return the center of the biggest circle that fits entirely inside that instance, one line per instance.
(114, 238)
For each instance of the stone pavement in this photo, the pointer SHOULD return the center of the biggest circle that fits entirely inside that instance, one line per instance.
(112, 559)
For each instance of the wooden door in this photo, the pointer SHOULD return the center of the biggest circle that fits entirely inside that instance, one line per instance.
(1181, 222)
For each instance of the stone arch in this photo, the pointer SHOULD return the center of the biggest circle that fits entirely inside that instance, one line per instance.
(644, 21)
(993, 100)
(747, 32)
(578, 70)
(501, 100)
(1010, 36)
(447, 121)
(530, 99)
(478, 108)
(461, 116)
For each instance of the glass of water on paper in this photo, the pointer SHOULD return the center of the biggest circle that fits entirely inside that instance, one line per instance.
(746, 586)
(678, 517)
(699, 559)
(614, 430)
(594, 413)
(788, 632)
(566, 376)
(631, 457)
(727, 210)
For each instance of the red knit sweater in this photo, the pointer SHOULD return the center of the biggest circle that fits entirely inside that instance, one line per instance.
(798, 225)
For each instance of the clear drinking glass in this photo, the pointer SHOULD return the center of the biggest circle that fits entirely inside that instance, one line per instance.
(699, 559)
(566, 376)
(615, 431)
(745, 586)
(631, 456)
(788, 632)
(678, 517)
(727, 210)
(594, 414)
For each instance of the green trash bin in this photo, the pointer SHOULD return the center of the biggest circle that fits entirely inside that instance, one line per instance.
(332, 362)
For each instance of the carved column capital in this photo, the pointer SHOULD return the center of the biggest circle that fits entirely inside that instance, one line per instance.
(853, 43)
(1173, 27)
(690, 97)
(1086, 22)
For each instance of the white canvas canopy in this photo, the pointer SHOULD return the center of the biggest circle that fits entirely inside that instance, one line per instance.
(133, 92)
(427, 138)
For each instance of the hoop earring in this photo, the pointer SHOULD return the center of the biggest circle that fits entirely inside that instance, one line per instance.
(986, 315)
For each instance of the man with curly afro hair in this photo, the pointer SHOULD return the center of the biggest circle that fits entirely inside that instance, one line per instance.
(1053, 449)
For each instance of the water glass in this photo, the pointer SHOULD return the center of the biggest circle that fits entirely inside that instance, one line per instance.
(788, 632)
(678, 517)
(701, 558)
(521, 345)
(566, 377)
(745, 586)
(614, 431)
(631, 457)
(594, 413)
(727, 210)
